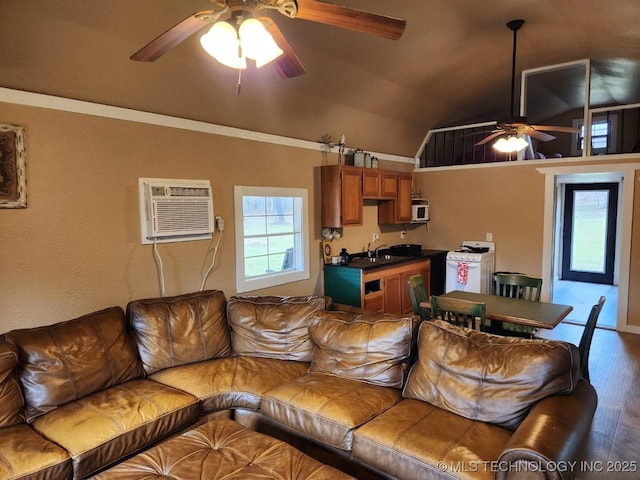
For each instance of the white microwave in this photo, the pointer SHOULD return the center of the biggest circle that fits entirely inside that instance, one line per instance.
(420, 212)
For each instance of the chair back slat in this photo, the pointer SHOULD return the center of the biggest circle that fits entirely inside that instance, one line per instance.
(418, 294)
(458, 312)
(587, 336)
(518, 286)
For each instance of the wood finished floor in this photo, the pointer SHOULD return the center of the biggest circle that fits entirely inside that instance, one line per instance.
(614, 365)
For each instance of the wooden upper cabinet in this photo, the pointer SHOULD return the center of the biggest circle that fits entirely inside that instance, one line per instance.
(343, 188)
(340, 196)
(403, 206)
(397, 210)
(371, 184)
(351, 197)
(389, 185)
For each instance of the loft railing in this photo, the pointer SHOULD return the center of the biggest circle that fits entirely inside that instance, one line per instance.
(457, 145)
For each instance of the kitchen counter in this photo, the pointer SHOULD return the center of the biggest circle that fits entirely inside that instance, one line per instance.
(381, 283)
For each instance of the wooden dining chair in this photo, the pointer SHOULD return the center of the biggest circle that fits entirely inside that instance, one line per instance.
(587, 335)
(458, 312)
(524, 287)
(418, 294)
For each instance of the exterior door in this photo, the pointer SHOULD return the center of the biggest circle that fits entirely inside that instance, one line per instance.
(589, 232)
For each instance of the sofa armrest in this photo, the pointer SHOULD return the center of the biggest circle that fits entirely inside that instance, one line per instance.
(549, 437)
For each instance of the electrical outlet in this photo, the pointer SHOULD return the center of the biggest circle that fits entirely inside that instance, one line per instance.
(403, 234)
(489, 237)
(375, 237)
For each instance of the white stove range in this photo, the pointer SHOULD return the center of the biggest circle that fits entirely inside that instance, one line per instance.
(471, 268)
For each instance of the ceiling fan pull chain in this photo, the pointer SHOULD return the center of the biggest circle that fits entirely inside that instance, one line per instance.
(239, 80)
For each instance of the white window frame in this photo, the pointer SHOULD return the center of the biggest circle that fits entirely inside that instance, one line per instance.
(612, 134)
(300, 270)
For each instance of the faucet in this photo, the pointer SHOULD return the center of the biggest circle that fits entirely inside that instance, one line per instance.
(374, 252)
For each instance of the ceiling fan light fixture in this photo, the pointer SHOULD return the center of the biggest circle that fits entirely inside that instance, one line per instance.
(511, 144)
(257, 43)
(222, 43)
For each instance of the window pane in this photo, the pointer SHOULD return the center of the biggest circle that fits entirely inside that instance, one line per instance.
(589, 233)
(253, 206)
(256, 266)
(255, 246)
(254, 226)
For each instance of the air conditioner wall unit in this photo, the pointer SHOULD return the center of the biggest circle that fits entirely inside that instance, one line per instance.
(174, 210)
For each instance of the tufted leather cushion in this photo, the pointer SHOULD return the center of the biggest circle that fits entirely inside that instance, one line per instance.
(65, 361)
(372, 349)
(222, 449)
(11, 400)
(487, 377)
(272, 326)
(178, 330)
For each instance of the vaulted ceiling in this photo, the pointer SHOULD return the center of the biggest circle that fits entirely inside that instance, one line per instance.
(451, 66)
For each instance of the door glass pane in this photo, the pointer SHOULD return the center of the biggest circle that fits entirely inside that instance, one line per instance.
(589, 235)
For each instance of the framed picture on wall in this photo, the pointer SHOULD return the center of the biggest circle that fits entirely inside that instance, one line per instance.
(13, 175)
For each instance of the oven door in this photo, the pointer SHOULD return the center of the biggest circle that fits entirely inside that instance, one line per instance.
(464, 276)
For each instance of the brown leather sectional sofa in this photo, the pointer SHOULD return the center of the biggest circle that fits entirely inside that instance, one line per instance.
(376, 395)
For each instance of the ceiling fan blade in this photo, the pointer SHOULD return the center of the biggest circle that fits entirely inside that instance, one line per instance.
(544, 137)
(350, 18)
(489, 138)
(172, 37)
(288, 64)
(552, 128)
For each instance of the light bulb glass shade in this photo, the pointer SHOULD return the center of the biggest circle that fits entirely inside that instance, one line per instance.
(257, 43)
(510, 145)
(221, 42)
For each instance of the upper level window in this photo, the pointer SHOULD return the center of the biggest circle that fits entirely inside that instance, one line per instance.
(603, 135)
(271, 227)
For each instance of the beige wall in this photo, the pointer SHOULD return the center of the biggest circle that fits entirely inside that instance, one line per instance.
(76, 248)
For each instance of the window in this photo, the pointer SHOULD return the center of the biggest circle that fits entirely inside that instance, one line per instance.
(272, 245)
(603, 135)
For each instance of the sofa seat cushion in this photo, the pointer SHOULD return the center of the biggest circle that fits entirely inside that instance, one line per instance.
(272, 326)
(222, 449)
(178, 330)
(11, 399)
(374, 349)
(25, 454)
(417, 440)
(327, 408)
(65, 361)
(487, 377)
(232, 382)
(102, 428)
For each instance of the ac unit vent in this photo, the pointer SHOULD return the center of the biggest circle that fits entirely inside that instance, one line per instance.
(175, 210)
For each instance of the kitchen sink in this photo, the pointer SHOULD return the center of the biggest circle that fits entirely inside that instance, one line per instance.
(364, 262)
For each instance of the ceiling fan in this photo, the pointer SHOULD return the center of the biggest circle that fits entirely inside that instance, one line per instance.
(236, 11)
(516, 126)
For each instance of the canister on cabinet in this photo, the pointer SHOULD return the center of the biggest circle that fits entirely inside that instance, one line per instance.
(358, 158)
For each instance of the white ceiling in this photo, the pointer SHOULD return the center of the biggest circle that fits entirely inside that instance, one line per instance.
(451, 66)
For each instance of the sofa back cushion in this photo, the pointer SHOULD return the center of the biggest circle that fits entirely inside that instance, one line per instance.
(65, 361)
(272, 326)
(486, 377)
(11, 400)
(171, 331)
(372, 348)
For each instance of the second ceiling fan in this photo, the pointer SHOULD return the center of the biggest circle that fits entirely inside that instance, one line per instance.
(236, 12)
(516, 126)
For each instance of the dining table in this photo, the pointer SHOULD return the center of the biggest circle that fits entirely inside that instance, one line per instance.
(514, 310)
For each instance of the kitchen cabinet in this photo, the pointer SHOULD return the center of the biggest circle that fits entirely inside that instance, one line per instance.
(340, 196)
(398, 209)
(381, 289)
(344, 187)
